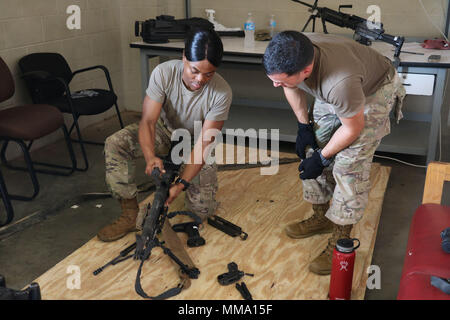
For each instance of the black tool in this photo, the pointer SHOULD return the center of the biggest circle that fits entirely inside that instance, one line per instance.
(227, 227)
(242, 288)
(191, 228)
(123, 255)
(233, 275)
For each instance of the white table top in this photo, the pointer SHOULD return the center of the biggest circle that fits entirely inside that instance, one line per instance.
(235, 45)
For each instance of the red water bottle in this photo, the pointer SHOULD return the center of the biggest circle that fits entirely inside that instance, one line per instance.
(342, 269)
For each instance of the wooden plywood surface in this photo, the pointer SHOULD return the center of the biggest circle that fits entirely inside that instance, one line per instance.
(437, 174)
(262, 206)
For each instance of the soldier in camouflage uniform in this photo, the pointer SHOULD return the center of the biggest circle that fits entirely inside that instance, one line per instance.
(179, 94)
(355, 89)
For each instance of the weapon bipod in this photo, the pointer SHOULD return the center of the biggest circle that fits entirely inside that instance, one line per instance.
(124, 255)
(144, 253)
(190, 272)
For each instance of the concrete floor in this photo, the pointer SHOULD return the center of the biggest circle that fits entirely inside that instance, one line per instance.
(27, 254)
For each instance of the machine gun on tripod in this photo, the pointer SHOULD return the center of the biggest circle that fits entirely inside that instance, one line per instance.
(365, 31)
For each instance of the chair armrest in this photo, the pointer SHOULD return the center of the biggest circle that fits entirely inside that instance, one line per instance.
(105, 70)
(91, 68)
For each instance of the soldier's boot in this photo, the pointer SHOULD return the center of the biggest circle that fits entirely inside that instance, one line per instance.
(322, 264)
(316, 224)
(124, 224)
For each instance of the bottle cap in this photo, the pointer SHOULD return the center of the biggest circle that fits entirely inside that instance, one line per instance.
(346, 245)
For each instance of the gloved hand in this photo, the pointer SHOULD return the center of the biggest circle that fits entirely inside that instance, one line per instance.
(305, 137)
(311, 167)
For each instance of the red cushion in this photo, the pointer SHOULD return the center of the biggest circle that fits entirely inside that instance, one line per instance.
(30, 122)
(424, 256)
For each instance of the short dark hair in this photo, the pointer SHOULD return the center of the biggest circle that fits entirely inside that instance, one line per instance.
(288, 52)
(201, 44)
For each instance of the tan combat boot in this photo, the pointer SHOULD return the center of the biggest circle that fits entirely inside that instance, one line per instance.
(316, 224)
(322, 264)
(122, 226)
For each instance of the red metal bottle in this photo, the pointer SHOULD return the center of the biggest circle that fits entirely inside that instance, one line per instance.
(342, 269)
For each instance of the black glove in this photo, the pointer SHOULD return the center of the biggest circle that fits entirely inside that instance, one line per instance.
(311, 167)
(305, 137)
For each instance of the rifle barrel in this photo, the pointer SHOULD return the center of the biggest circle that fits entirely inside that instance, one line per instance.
(304, 3)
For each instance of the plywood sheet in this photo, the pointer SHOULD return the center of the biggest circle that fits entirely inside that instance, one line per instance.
(262, 206)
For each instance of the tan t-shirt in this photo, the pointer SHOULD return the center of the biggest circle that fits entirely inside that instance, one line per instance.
(181, 107)
(345, 73)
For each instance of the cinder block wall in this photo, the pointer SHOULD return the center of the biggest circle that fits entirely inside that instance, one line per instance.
(130, 12)
(403, 17)
(107, 28)
(29, 26)
(400, 17)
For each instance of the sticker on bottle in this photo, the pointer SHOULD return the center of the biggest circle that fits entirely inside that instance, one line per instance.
(249, 26)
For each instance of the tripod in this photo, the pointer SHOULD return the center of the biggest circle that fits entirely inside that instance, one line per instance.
(316, 13)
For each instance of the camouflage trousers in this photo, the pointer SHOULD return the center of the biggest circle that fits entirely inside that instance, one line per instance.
(122, 149)
(346, 180)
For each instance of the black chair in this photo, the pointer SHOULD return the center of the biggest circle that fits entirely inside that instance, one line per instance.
(48, 75)
(28, 123)
(6, 202)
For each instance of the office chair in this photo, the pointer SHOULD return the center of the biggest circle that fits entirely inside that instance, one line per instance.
(48, 76)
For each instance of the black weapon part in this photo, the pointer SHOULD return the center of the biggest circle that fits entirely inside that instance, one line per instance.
(227, 227)
(365, 31)
(312, 6)
(243, 290)
(123, 255)
(190, 214)
(191, 272)
(191, 229)
(233, 275)
(410, 52)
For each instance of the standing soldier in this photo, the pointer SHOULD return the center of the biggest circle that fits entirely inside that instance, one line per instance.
(355, 88)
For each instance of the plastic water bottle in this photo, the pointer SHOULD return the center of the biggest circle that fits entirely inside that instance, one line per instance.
(249, 30)
(272, 25)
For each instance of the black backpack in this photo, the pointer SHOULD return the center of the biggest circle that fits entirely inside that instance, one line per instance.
(165, 27)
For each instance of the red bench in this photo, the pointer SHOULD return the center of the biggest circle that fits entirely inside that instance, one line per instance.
(424, 256)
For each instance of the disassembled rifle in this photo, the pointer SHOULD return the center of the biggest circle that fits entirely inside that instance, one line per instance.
(154, 224)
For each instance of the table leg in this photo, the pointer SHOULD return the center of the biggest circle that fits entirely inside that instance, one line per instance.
(436, 114)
